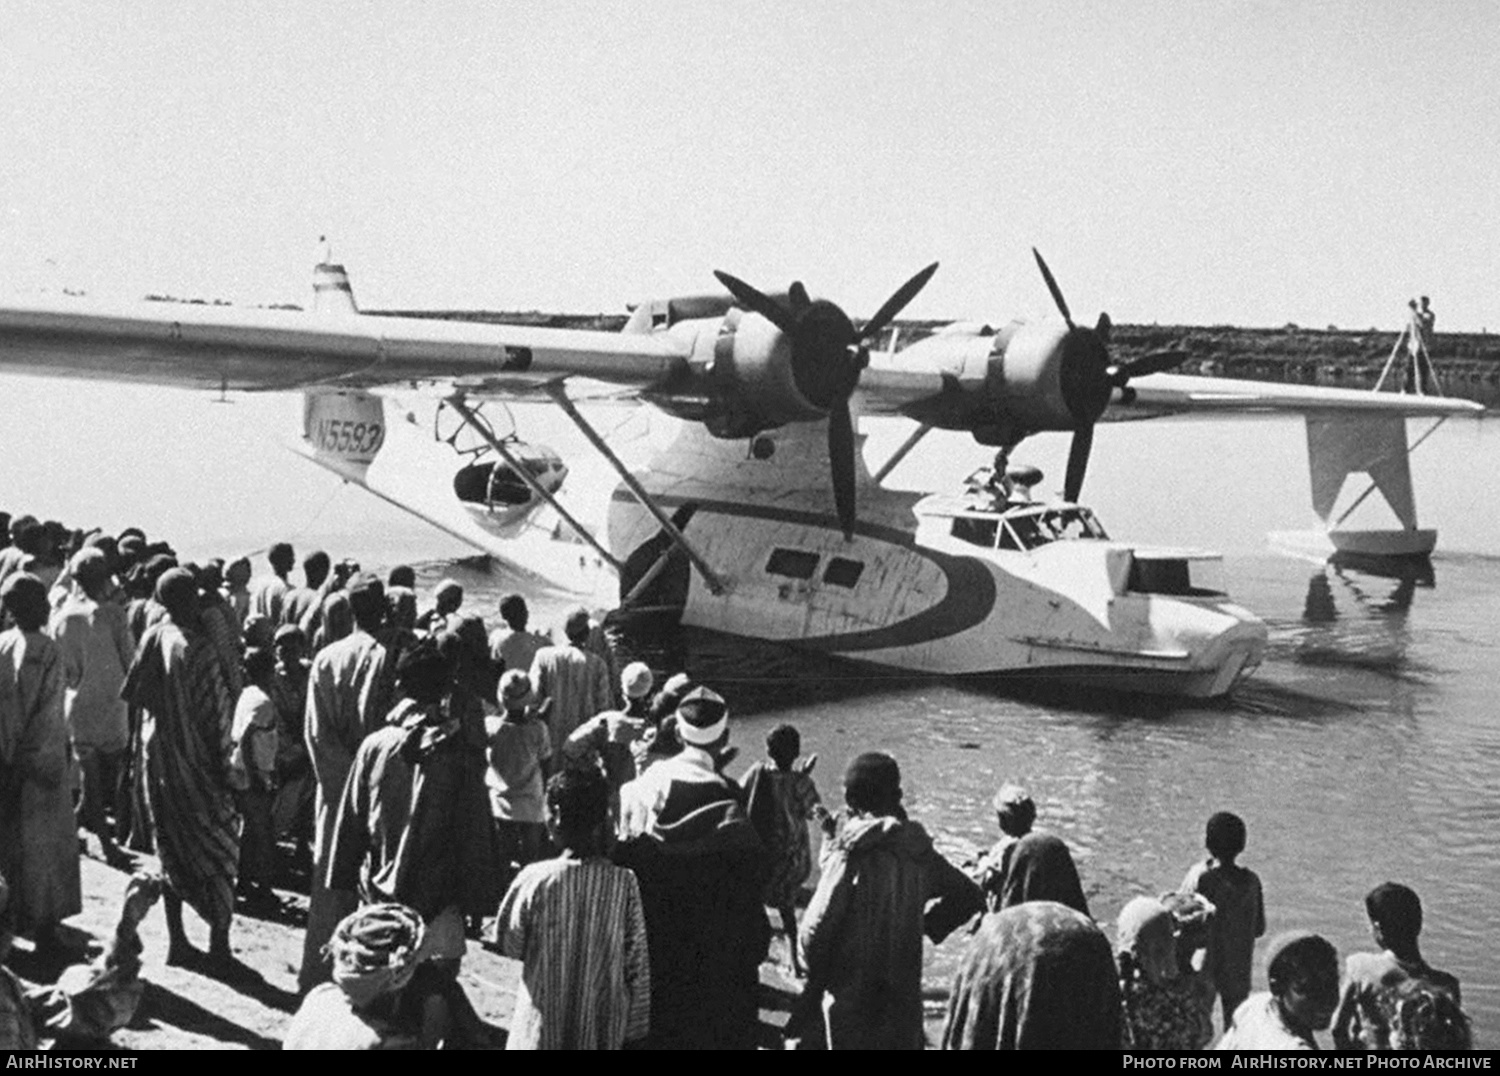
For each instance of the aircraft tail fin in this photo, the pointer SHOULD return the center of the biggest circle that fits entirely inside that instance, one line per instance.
(343, 430)
(332, 292)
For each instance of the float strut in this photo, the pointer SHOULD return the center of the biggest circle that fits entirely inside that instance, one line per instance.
(560, 395)
(467, 414)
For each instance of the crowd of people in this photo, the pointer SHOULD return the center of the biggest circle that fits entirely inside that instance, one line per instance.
(446, 785)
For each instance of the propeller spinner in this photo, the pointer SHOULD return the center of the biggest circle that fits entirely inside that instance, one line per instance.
(1089, 378)
(827, 357)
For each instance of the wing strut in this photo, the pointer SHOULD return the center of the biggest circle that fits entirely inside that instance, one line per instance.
(470, 416)
(559, 394)
(900, 454)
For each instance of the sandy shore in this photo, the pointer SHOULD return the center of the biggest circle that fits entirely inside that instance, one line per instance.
(184, 1009)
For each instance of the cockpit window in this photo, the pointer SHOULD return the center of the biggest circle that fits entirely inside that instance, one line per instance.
(980, 532)
(1034, 529)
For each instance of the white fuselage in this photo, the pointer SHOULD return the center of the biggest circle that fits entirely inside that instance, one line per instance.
(906, 593)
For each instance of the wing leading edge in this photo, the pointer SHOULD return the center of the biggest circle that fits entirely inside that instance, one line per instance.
(1167, 394)
(217, 347)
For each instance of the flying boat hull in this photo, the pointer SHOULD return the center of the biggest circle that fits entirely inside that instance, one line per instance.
(905, 593)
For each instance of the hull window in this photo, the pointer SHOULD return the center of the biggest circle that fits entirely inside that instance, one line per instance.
(1172, 577)
(793, 563)
(842, 572)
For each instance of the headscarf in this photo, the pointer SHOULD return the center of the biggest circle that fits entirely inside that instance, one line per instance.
(375, 951)
(1041, 868)
(1141, 919)
(1037, 976)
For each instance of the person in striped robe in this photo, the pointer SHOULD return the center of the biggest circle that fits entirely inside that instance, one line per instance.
(577, 925)
(179, 683)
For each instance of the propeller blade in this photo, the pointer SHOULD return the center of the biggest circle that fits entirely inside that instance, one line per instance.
(798, 296)
(841, 464)
(897, 302)
(757, 302)
(1103, 327)
(1057, 297)
(1078, 461)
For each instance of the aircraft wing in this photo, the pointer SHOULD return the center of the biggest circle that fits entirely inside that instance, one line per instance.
(188, 345)
(1172, 394)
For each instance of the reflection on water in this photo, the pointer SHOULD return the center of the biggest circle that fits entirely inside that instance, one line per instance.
(1370, 632)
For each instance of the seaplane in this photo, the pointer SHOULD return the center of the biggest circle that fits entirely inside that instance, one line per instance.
(761, 519)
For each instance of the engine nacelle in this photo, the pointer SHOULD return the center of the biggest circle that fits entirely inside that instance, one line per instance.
(1025, 383)
(741, 378)
(1001, 386)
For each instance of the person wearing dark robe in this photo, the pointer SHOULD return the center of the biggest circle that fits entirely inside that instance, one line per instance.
(883, 886)
(1015, 812)
(1040, 867)
(218, 620)
(1037, 976)
(292, 811)
(701, 869)
(413, 822)
(182, 690)
(38, 831)
(300, 601)
(443, 616)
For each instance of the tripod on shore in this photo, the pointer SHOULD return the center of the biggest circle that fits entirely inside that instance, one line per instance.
(1418, 375)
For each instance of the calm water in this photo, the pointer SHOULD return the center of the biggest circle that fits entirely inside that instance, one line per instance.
(1366, 748)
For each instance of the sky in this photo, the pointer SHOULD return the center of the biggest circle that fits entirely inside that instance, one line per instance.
(1256, 162)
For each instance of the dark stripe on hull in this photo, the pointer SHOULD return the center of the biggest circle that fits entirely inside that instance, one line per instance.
(968, 600)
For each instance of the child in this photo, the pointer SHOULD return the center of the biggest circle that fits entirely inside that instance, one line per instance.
(781, 800)
(253, 775)
(577, 925)
(1015, 813)
(1239, 910)
(883, 886)
(1373, 982)
(1303, 975)
(519, 752)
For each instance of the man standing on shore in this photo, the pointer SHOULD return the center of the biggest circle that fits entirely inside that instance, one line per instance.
(701, 869)
(572, 679)
(97, 648)
(348, 698)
